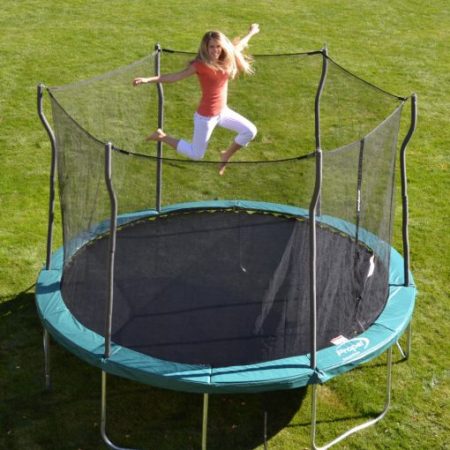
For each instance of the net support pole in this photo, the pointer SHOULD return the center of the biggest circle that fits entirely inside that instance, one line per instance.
(313, 208)
(51, 218)
(359, 188)
(110, 293)
(405, 212)
(159, 144)
(404, 184)
(112, 247)
(318, 97)
(51, 206)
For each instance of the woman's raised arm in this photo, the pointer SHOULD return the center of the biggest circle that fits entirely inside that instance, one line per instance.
(242, 43)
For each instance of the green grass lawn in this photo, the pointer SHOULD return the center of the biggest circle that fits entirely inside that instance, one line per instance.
(401, 46)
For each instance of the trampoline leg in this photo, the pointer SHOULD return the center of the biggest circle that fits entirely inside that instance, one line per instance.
(46, 344)
(400, 349)
(265, 430)
(205, 420)
(313, 415)
(103, 418)
(405, 354)
(409, 340)
(358, 427)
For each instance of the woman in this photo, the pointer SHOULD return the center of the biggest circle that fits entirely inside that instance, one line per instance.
(218, 60)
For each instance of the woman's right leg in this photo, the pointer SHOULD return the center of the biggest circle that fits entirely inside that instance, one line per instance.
(203, 128)
(159, 135)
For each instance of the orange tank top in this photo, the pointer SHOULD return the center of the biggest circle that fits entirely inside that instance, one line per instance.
(214, 86)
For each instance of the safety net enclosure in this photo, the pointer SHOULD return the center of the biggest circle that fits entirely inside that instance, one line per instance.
(276, 275)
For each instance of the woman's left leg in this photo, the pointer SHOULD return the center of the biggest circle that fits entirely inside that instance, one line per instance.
(246, 131)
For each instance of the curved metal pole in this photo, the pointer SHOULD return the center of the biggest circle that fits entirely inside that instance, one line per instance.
(323, 76)
(159, 144)
(404, 183)
(51, 207)
(405, 214)
(357, 428)
(109, 306)
(112, 247)
(313, 258)
(359, 188)
(51, 219)
(105, 438)
(312, 215)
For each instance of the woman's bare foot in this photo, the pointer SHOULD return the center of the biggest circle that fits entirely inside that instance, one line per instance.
(157, 135)
(224, 157)
(160, 136)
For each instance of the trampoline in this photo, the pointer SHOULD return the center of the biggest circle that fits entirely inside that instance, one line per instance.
(228, 288)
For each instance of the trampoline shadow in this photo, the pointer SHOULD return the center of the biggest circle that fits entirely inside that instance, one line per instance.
(243, 420)
(139, 416)
(169, 420)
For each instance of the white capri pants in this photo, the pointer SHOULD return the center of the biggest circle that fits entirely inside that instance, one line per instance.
(204, 126)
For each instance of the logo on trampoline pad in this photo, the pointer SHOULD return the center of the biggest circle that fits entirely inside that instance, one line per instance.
(352, 348)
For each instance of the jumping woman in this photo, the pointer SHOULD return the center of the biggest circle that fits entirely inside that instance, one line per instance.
(218, 60)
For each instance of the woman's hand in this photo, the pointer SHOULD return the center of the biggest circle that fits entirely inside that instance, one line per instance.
(254, 29)
(142, 80)
(240, 44)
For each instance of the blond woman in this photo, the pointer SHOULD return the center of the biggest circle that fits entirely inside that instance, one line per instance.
(218, 60)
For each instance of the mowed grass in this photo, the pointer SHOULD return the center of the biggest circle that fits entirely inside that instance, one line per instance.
(401, 46)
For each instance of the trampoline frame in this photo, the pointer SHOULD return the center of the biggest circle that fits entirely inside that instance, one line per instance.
(314, 211)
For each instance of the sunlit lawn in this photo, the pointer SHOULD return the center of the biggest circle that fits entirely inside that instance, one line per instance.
(401, 46)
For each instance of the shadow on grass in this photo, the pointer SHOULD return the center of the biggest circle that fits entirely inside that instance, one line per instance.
(68, 417)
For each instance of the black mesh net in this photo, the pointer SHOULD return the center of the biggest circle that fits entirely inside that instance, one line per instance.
(228, 281)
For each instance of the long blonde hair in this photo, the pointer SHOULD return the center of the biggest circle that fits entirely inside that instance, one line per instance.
(231, 60)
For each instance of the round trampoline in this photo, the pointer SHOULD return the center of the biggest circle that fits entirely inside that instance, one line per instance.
(276, 276)
(194, 309)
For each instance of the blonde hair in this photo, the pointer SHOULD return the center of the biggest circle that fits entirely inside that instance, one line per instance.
(231, 60)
